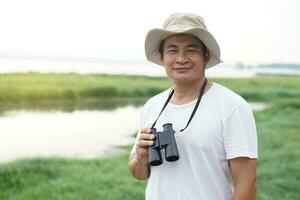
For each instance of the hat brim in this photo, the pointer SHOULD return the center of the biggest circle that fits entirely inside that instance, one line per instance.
(156, 36)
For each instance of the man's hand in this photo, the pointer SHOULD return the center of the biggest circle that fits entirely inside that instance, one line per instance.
(144, 142)
(138, 162)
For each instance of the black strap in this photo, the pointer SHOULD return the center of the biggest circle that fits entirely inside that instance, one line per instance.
(165, 105)
(194, 110)
(197, 104)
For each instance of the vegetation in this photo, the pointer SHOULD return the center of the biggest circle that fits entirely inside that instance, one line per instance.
(281, 65)
(279, 140)
(66, 179)
(20, 87)
(108, 178)
(36, 86)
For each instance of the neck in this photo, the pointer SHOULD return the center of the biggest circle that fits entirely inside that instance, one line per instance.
(184, 93)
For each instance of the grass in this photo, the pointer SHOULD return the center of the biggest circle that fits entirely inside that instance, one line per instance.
(20, 87)
(279, 163)
(108, 178)
(265, 89)
(50, 179)
(36, 86)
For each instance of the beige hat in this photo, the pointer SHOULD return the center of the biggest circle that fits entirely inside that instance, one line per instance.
(182, 23)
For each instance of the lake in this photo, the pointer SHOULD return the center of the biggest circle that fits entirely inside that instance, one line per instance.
(74, 133)
(78, 134)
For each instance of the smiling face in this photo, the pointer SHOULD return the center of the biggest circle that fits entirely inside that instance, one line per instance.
(184, 58)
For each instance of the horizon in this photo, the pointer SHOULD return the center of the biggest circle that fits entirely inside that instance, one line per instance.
(145, 68)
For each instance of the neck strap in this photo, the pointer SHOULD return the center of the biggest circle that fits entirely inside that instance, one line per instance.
(194, 110)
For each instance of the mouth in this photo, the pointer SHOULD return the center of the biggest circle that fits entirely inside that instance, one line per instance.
(181, 69)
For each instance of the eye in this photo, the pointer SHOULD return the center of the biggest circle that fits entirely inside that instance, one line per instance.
(192, 50)
(171, 51)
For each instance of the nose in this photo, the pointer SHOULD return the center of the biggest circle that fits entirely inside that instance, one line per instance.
(181, 58)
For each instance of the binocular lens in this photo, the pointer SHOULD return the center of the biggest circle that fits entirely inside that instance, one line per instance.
(172, 158)
(171, 151)
(155, 157)
(155, 162)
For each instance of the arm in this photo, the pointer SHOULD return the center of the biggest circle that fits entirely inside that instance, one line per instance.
(138, 162)
(243, 172)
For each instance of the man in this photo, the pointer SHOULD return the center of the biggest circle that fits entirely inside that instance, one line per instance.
(214, 127)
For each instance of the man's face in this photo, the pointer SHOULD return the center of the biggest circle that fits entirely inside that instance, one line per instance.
(183, 58)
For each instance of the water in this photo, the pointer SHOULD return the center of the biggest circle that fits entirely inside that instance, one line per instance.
(10, 65)
(78, 134)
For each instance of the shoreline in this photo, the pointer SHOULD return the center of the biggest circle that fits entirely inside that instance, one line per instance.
(88, 143)
(131, 68)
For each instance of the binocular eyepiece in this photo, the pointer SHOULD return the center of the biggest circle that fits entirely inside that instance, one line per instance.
(163, 140)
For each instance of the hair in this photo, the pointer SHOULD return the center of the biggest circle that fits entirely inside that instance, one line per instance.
(161, 49)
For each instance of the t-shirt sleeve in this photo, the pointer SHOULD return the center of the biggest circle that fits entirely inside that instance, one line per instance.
(240, 137)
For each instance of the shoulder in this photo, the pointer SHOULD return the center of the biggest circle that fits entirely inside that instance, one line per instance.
(227, 96)
(225, 101)
(156, 101)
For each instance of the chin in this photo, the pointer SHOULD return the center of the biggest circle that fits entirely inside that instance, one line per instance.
(181, 79)
(184, 79)
(183, 76)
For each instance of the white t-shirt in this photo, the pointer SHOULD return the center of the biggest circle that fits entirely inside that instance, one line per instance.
(222, 128)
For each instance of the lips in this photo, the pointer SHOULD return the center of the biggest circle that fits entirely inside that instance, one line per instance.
(182, 68)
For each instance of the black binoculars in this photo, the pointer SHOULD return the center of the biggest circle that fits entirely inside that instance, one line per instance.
(163, 140)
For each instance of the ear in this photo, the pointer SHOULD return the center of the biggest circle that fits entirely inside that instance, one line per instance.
(206, 57)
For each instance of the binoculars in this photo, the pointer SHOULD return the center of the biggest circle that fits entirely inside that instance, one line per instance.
(163, 140)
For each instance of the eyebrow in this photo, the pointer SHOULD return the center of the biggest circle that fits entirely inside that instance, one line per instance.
(188, 46)
(171, 46)
(193, 46)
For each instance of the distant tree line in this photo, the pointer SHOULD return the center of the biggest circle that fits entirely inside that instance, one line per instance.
(270, 65)
(280, 65)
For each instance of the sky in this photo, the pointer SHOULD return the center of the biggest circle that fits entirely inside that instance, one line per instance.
(256, 31)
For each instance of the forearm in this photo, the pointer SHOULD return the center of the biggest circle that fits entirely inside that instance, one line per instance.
(139, 169)
(243, 172)
(245, 192)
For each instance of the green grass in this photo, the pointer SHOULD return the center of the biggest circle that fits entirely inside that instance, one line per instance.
(109, 179)
(50, 179)
(36, 86)
(265, 89)
(20, 87)
(279, 142)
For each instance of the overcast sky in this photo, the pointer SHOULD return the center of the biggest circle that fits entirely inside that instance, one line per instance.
(256, 31)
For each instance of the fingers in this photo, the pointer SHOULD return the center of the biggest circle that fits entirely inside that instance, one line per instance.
(146, 134)
(145, 143)
(146, 138)
(145, 130)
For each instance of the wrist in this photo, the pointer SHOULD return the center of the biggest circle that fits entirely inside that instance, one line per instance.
(141, 160)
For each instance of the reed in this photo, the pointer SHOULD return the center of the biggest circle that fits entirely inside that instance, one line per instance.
(20, 87)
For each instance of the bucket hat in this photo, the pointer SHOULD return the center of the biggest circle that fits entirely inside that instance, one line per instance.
(179, 23)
